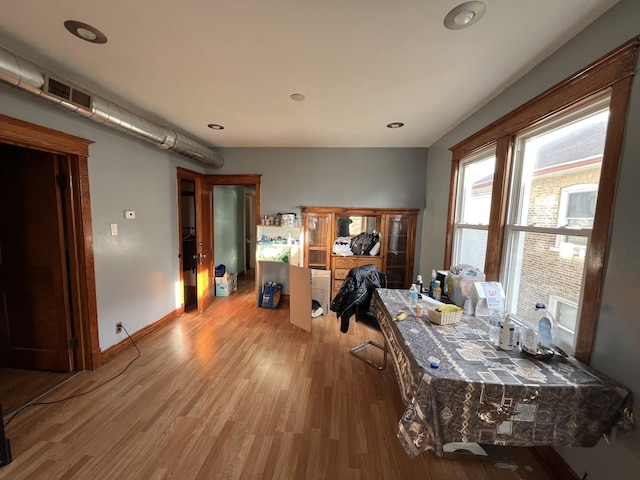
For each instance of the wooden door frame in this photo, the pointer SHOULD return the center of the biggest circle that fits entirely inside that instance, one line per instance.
(75, 150)
(252, 180)
(248, 180)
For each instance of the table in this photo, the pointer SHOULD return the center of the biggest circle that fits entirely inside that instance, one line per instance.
(485, 395)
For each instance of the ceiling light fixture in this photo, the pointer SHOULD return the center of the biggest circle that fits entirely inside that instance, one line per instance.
(215, 126)
(297, 97)
(85, 32)
(464, 15)
(395, 125)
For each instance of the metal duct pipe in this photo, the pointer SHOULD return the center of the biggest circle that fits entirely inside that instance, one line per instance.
(22, 74)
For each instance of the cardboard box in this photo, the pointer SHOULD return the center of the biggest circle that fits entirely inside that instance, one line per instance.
(321, 289)
(227, 284)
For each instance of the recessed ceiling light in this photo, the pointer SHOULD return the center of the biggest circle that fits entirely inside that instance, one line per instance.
(85, 32)
(215, 126)
(297, 97)
(464, 15)
(395, 125)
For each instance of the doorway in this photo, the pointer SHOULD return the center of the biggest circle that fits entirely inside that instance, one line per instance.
(251, 212)
(188, 236)
(43, 170)
(234, 228)
(56, 169)
(195, 198)
(35, 321)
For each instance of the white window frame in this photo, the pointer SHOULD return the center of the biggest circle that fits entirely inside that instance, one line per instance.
(611, 75)
(561, 243)
(519, 199)
(554, 307)
(459, 226)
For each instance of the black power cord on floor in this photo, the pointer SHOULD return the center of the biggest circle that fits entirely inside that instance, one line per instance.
(53, 402)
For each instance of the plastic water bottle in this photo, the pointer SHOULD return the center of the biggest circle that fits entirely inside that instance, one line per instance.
(494, 327)
(413, 297)
(432, 284)
(546, 327)
(437, 291)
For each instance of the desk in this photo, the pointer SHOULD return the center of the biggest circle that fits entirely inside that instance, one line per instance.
(489, 396)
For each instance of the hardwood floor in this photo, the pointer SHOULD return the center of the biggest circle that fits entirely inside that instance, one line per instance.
(237, 393)
(19, 386)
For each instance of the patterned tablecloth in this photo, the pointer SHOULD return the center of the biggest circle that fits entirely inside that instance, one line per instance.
(482, 394)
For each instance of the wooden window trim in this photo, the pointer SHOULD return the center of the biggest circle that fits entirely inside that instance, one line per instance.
(601, 74)
(499, 204)
(612, 72)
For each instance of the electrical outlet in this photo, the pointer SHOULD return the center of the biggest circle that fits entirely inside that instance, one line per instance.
(119, 327)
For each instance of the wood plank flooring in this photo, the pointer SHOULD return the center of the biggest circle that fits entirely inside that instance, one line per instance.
(19, 386)
(237, 393)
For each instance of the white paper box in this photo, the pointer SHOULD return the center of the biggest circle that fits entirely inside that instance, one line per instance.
(480, 299)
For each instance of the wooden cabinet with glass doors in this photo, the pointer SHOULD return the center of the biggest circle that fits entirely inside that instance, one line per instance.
(397, 228)
(398, 249)
(317, 239)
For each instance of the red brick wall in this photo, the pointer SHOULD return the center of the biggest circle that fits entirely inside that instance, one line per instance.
(544, 271)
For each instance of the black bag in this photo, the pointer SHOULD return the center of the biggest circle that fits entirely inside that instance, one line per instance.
(362, 243)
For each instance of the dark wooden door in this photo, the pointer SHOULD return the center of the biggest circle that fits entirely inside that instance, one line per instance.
(35, 326)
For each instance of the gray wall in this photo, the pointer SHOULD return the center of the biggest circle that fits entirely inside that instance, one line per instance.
(616, 350)
(348, 177)
(228, 227)
(137, 272)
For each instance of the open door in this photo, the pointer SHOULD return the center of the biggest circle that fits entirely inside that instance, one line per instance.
(195, 207)
(204, 245)
(35, 319)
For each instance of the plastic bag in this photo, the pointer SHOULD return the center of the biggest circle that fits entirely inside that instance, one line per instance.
(460, 280)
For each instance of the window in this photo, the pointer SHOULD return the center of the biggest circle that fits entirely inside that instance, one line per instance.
(577, 209)
(473, 208)
(550, 180)
(565, 314)
(556, 172)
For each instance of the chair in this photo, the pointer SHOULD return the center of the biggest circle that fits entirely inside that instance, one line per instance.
(367, 318)
(354, 299)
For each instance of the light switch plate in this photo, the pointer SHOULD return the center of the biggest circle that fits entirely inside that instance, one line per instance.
(129, 214)
(114, 229)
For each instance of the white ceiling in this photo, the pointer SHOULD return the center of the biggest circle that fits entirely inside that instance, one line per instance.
(360, 63)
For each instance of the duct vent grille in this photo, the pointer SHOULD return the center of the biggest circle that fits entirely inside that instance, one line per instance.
(63, 91)
(59, 89)
(81, 98)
